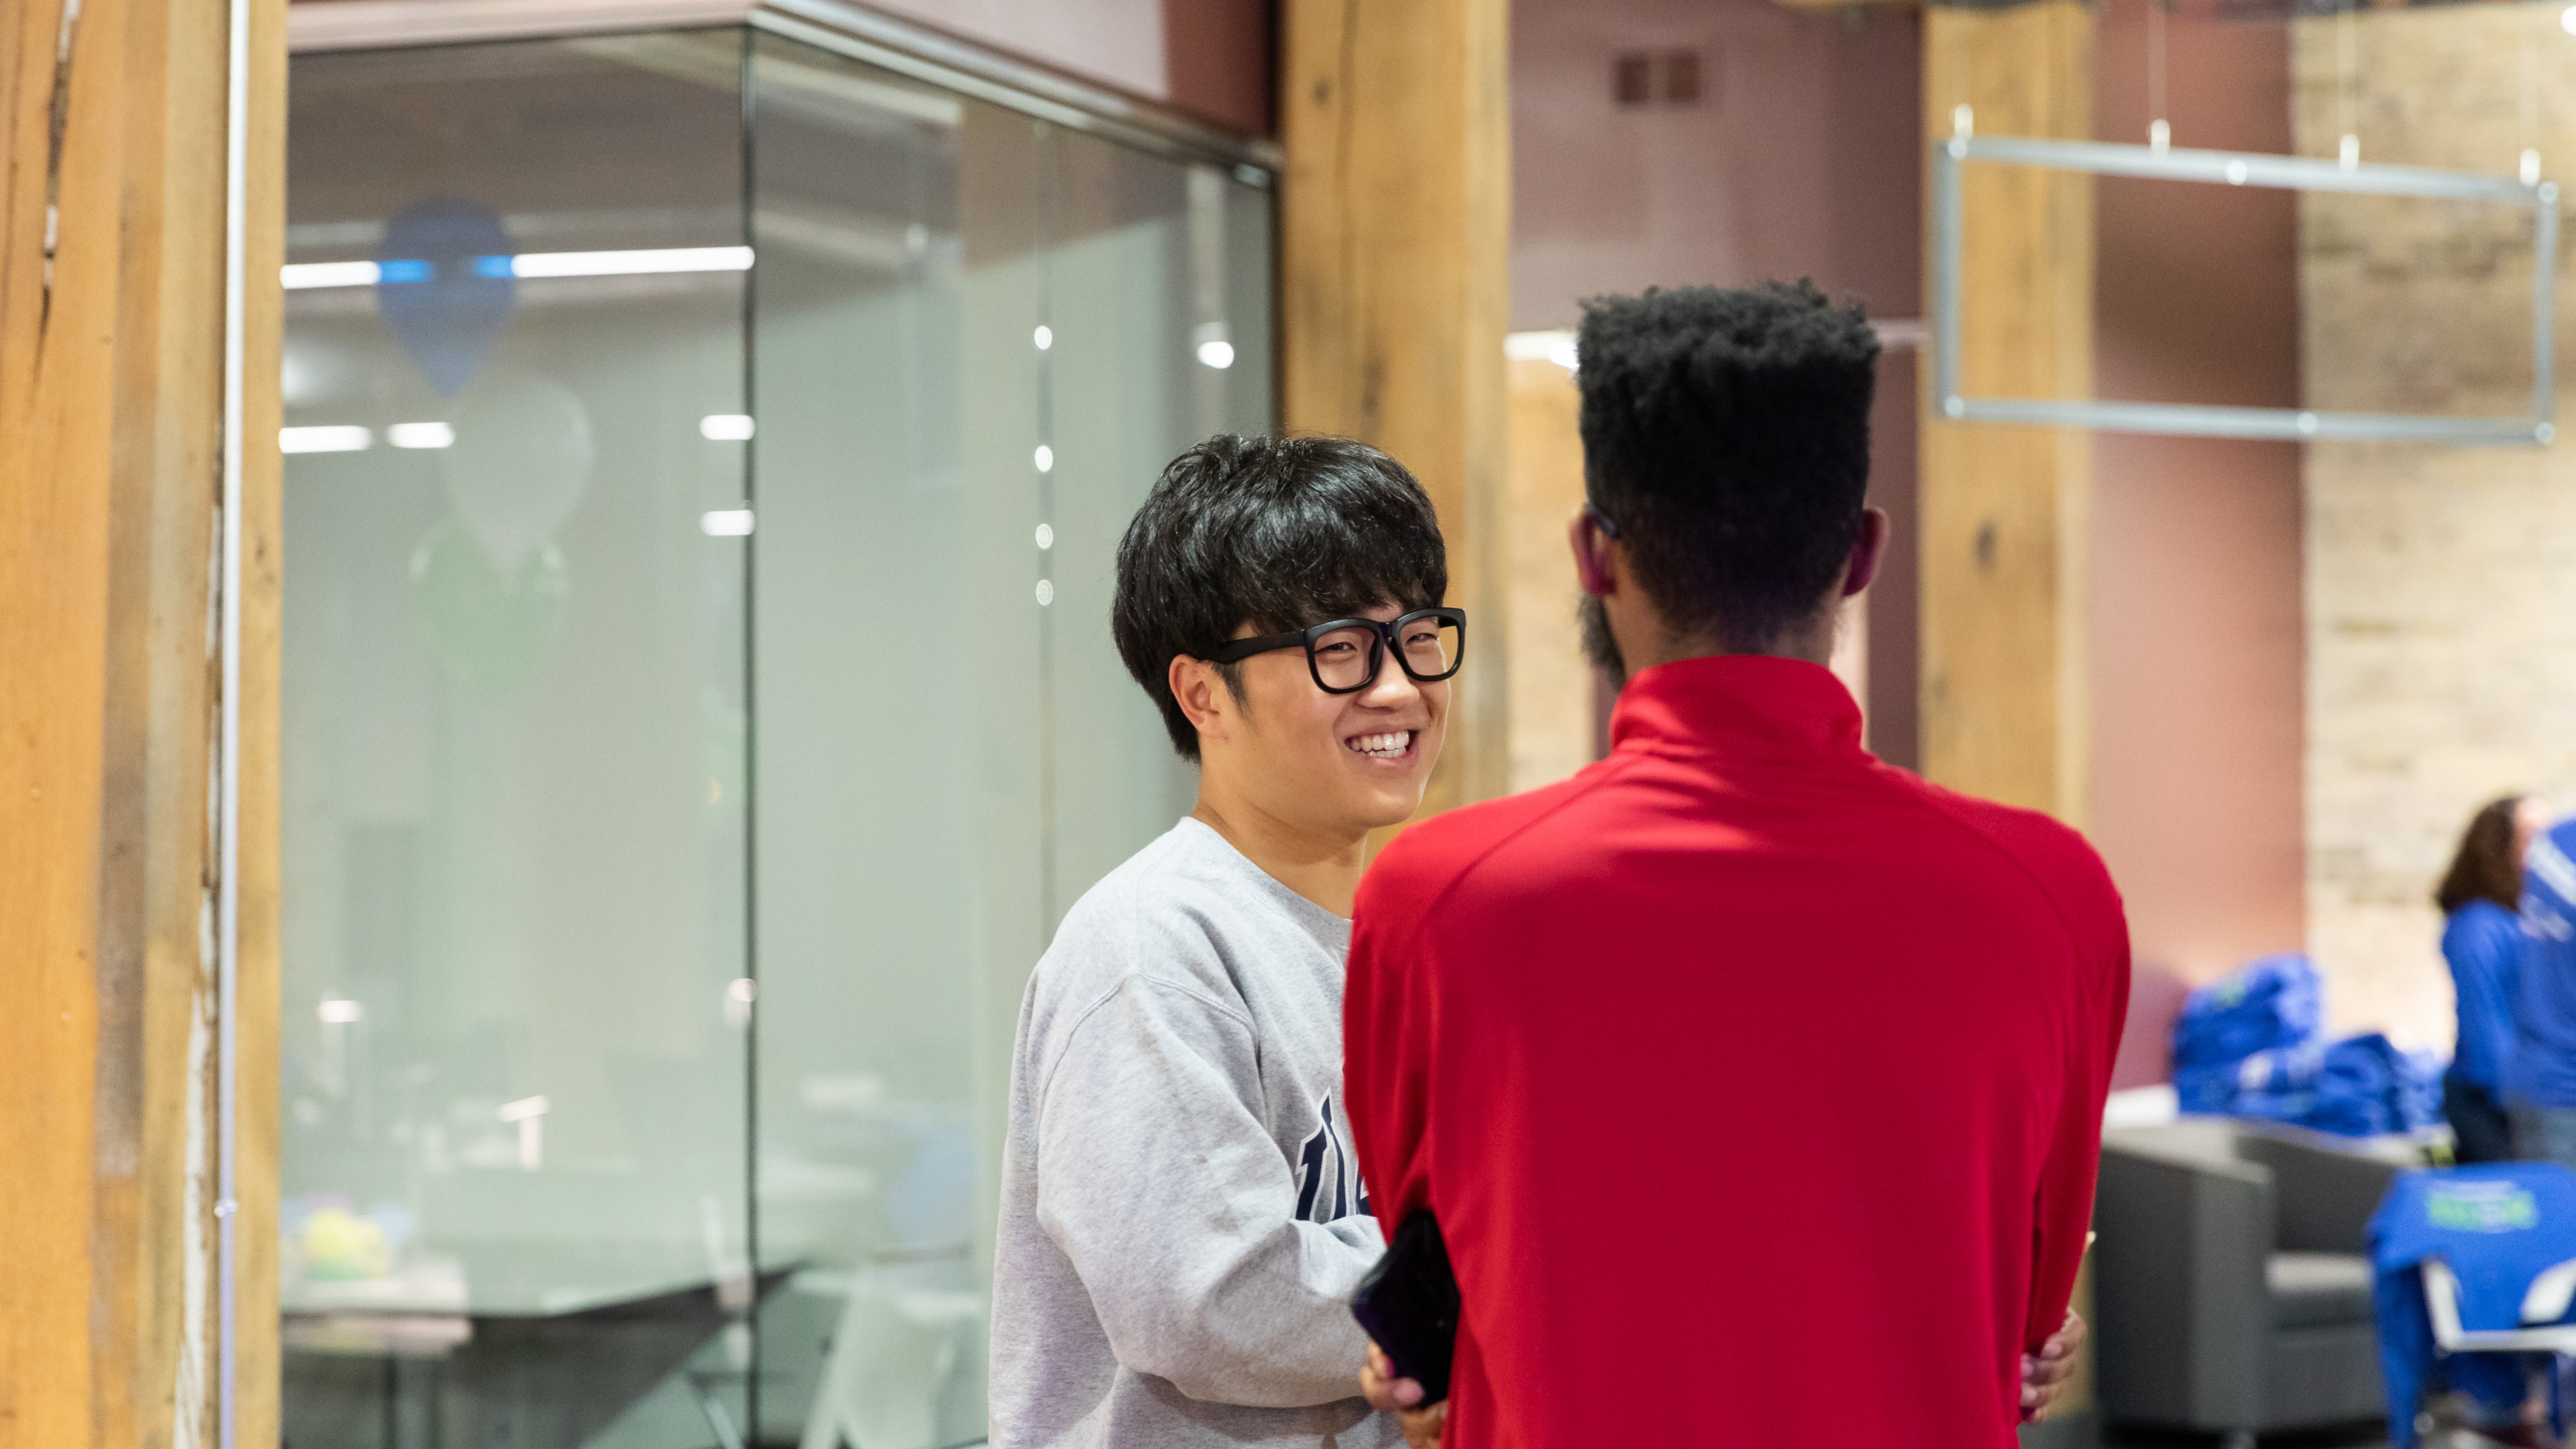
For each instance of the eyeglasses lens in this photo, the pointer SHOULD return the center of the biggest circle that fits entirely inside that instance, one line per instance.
(1345, 658)
(1430, 647)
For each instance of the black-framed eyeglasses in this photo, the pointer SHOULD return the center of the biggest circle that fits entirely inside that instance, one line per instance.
(1345, 655)
(1601, 520)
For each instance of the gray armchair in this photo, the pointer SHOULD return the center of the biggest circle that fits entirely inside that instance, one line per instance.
(2231, 1277)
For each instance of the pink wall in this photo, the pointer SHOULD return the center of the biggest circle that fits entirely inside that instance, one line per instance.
(1208, 56)
(1799, 160)
(1802, 159)
(2197, 645)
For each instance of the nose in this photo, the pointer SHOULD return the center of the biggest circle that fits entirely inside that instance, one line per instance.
(1393, 688)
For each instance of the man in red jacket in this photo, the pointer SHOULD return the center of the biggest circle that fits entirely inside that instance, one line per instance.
(1756, 1086)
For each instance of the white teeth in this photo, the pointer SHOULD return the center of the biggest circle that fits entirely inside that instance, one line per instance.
(1382, 745)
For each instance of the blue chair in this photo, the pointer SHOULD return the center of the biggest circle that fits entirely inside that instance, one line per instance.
(2471, 1260)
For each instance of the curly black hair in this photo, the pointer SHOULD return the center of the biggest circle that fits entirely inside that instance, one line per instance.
(1726, 437)
(1278, 533)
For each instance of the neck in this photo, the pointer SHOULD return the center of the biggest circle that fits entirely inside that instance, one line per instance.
(1646, 641)
(1321, 864)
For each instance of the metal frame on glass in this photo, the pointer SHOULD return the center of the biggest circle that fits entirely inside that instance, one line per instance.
(2230, 168)
(881, 40)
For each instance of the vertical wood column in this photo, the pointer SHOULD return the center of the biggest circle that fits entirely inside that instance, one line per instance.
(112, 333)
(1395, 288)
(2004, 507)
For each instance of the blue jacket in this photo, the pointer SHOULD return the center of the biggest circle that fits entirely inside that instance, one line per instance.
(2483, 943)
(2543, 1070)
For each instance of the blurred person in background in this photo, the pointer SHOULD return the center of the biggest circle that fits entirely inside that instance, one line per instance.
(2482, 939)
(2480, 897)
(2540, 1080)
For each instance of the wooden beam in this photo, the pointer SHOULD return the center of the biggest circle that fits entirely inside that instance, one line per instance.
(112, 336)
(1395, 288)
(2003, 507)
(258, 1366)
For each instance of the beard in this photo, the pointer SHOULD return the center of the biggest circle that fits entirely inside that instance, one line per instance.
(1599, 645)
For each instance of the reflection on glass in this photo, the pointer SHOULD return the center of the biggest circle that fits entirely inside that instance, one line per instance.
(604, 966)
(514, 750)
(957, 419)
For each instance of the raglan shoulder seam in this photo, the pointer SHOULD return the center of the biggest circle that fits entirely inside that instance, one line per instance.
(1960, 820)
(1117, 988)
(1585, 790)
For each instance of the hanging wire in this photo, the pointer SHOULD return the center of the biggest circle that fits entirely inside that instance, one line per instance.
(1963, 115)
(2159, 132)
(2348, 151)
(2529, 169)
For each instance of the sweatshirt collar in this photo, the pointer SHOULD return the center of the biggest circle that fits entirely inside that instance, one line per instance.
(1738, 704)
(1333, 930)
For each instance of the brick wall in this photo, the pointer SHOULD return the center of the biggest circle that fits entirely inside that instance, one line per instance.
(2441, 582)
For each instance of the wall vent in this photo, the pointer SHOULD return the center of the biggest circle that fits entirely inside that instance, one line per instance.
(1640, 79)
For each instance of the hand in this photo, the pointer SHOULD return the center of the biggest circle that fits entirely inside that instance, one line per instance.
(2044, 1375)
(1383, 1390)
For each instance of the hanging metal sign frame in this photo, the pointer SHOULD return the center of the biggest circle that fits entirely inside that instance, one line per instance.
(2231, 168)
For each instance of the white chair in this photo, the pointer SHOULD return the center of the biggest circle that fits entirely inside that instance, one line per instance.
(891, 1360)
(2543, 1304)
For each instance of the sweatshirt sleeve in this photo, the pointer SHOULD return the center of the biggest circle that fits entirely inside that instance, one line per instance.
(1159, 1183)
(2063, 1216)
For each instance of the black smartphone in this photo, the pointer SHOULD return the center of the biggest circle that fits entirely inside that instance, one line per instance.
(1409, 1305)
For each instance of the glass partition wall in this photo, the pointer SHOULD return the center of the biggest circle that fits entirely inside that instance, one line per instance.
(706, 459)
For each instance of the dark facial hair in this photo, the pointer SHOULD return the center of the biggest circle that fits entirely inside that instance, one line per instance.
(1599, 644)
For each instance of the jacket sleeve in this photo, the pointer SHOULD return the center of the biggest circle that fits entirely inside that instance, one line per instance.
(1160, 1184)
(2495, 952)
(1387, 1022)
(2063, 1219)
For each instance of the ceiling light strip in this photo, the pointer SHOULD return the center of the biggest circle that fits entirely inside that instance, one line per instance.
(656, 261)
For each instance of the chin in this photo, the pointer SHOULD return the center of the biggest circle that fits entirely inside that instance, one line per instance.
(1397, 807)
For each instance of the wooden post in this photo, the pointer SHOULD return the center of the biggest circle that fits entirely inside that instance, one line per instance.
(112, 339)
(2004, 507)
(1395, 287)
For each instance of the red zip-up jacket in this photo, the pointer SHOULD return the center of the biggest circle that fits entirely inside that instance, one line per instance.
(1756, 1085)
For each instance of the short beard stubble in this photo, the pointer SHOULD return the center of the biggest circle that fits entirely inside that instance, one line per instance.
(1599, 645)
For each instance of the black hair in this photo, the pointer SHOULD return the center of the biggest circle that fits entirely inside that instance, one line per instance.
(1726, 437)
(1279, 533)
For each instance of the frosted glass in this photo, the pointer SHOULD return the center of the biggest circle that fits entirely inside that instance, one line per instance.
(700, 709)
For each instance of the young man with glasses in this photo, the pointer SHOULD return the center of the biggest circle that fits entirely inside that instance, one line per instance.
(1755, 1086)
(1182, 1218)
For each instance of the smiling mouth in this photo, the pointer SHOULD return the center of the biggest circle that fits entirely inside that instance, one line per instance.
(1387, 746)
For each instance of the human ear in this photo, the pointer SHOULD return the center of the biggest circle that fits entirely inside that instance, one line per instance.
(1202, 696)
(1594, 566)
(1868, 550)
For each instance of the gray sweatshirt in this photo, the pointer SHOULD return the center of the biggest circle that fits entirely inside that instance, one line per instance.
(1182, 1220)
